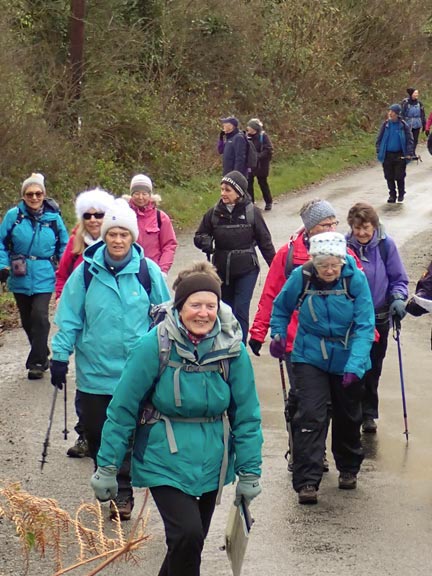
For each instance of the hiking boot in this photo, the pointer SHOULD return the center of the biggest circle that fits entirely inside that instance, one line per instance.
(80, 449)
(391, 200)
(35, 373)
(401, 198)
(308, 495)
(268, 207)
(347, 481)
(369, 426)
(124, 505)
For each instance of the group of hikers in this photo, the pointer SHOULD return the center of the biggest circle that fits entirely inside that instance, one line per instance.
(165, 389)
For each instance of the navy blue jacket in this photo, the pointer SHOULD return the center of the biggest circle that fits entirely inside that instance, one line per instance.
(235, 153)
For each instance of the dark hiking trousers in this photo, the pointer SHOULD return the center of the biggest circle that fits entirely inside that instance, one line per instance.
(187, 521)
(93, 416)
(395, 172)
(314, 389)
(238, 294)
(263, 184)
(415, 133)
(34, 313)
(372, 376)
(79, 428)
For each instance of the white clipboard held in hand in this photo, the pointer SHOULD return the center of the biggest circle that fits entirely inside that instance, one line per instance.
(237, 535)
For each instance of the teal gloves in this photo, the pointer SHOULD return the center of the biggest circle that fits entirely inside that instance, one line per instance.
(104, 483)
(248, 487)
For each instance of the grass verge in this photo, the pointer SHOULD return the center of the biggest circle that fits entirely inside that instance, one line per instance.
(9, 317)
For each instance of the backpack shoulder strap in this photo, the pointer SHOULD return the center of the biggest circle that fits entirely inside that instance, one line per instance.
(8, 240)
(88, 276)
(159, 218)
(289, 265)
(164, 348)
(225, 368)
(383, 249)
(306, 282)
(250, 214)
(143, 275)
(214, 219)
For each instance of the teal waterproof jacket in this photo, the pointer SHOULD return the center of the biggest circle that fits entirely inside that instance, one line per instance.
(103, 322)
(196, 465)
(335, 331)
(40, 239)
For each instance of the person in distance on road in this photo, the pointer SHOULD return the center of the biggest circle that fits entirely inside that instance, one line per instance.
(388, 282)
(395, 147)
(414, 114)
(264, 148)
(330, 356)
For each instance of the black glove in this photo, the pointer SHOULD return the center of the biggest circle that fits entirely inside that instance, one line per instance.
(221, 135)
(255, 346)
(58, 373)
(4, 274)
(426, 132)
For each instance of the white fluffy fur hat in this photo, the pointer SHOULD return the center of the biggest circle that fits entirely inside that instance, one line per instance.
(120, 214)
(96, 199)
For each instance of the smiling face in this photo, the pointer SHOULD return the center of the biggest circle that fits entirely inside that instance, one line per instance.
(227, 127)
(92, 220)
(415, 95)
(363, 231)
(118, 241)
(141, 197)
(34, 196)
(328, 268)
(199, 312)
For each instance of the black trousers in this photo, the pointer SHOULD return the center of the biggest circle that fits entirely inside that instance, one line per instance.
(187, 521)
(238, 294)
(372, 376)
(395, 172)
(314, 389)
(415, 133)
(263, 184)
(93, 416)
(34, 314)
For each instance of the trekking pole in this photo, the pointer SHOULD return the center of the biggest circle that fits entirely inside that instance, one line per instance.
(65, 430)
(396, 336)
(48, 432)
(285, 397)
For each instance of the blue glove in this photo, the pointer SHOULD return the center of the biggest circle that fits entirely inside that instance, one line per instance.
(58, 373)
(248, 487)
(349, 378)
(277, 347)
(104, 483)
(397, 308)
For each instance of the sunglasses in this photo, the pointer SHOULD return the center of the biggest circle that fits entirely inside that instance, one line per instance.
(33, 194)
(97, 215)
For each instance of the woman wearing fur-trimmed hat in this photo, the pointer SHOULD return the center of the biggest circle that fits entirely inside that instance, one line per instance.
(200, 422)
(32, 240)
(156, 232)
(90, 208)
(336, 326)
(230, 231)
(103, 310)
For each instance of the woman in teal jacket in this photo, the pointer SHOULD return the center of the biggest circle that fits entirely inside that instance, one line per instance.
(330, 356)
(32, 240)
(200, 420)
(103, 310)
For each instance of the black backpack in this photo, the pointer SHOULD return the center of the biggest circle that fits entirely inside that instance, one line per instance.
(251, 153)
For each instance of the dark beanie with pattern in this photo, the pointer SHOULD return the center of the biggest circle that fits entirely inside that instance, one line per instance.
(237, 181)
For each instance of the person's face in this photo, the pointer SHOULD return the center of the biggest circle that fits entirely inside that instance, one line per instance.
(118, 241)
(198, 313)
(228, 194)
(329, 269)
(250, 130)
(33, 196)
(227, 127)
(92, 220)
(327, 225)
(363, 232)
(415, 95)
(141, 197)
(392, 115)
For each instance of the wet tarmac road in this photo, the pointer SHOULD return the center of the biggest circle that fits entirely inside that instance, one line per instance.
(384, 527)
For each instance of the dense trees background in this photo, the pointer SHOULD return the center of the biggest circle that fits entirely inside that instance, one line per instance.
(158, 74)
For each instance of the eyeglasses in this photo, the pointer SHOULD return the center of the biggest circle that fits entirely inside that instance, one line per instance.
(33, 194)
(97, 215)
(329, 266)
(141, 193)
(329, 225)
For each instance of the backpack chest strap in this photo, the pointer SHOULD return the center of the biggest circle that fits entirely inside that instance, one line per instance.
(179, 366)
